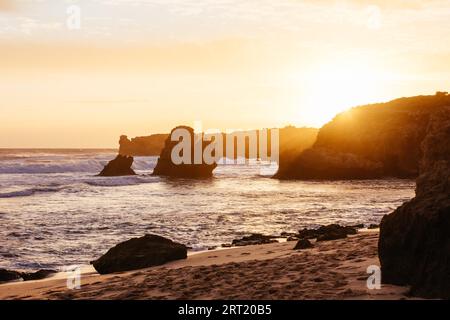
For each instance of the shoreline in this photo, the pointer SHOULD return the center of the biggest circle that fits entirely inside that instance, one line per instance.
(331, 270)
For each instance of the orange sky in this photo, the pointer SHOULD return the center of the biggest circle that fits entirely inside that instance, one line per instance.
(143, 66)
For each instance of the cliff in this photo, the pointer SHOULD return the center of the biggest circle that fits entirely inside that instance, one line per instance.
(414, 243)
(142, 146)
(372, 141)
(292, 141)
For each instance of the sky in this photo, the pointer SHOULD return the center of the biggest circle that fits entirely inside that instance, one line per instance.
(78, 74)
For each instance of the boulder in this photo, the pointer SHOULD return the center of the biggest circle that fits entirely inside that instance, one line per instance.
(255, 238)
(41, 274)
(138, 253)
(303, 244)
(120, 166)
(9, 275)
(166, 167)
(328, 232)
(414, 243)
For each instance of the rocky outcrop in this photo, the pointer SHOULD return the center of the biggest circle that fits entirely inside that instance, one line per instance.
(11, 275)
(414, 244)
(120, 166)
(303, 244)
(166, 167)
(328, 232)
(41, 274)
(142, 146)
(292, 141)
(138, 253)
(372, 141)
(255, 238)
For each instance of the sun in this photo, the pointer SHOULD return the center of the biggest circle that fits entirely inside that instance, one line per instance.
(337, 86)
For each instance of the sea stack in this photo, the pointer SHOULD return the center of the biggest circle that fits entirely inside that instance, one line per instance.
(120, 166)
(166, 167)
(414, 244)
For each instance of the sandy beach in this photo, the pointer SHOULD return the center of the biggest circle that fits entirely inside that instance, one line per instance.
(330, 270)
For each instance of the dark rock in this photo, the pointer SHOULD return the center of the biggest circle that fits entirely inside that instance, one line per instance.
(303, 244)
(142, 146)
(138, 253)
(372, 141)
(292, 239)
(166, 167)
(328, 232)
(373, 226)
(120, 166)
(308, 233)
(332, 235)
(9, 275)
(414, 243)
(357, 226)
(253, 239)
(41, 274)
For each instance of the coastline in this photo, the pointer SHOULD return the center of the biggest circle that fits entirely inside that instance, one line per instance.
(331, 270)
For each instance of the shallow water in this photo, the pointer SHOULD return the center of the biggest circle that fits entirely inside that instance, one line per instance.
(54, 211)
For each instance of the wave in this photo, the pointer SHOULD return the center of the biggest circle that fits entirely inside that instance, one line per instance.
(74, 185)
(121, 181)
(29, 192)
(66, 164)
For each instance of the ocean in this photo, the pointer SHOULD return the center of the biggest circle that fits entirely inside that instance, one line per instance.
(55, 211)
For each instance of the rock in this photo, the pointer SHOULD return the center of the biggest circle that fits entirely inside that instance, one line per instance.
(138, 253)
(373, 226)
(41, 274)
(120, 166)
(357, 226)
(333, 235)
(142, 146)
(372, 141)
(255, 238)
(303, 244)
(166, 167)
(328, 232)
(9, 275)
(292, 141)
(414, 243)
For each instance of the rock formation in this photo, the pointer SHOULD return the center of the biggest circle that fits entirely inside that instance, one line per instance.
(373, 141)
(166, 167)
(11, 275)
(120, 166)
(414, 244)
(328, 232)
(292, 141)
(142, 146)
(138, 253)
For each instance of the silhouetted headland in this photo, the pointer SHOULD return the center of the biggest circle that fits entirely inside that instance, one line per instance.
(372, 141)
